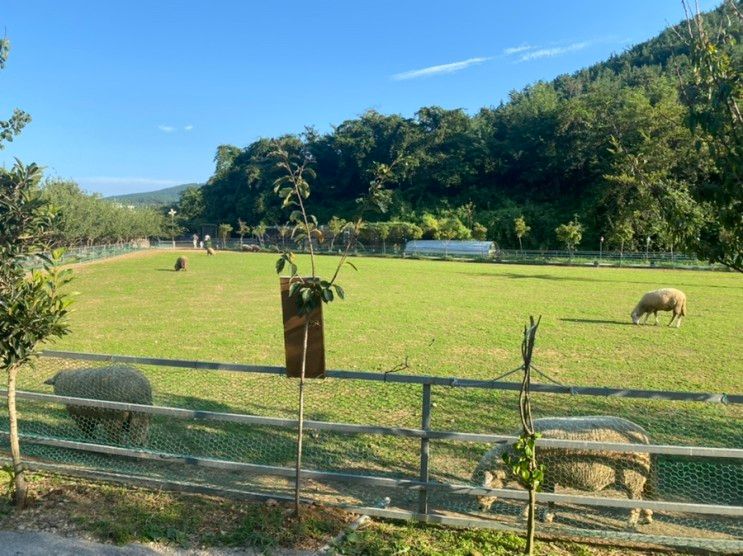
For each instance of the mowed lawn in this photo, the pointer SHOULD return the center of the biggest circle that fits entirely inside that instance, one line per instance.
(445, 318)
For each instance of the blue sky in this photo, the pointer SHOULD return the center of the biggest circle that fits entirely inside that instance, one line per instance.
(135, 96)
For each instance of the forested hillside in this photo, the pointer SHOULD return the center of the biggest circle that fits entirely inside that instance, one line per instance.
(622, 145)
(160, 197)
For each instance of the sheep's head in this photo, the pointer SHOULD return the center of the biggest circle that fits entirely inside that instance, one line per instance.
(635, 315)
(491, 480)
(53, 379)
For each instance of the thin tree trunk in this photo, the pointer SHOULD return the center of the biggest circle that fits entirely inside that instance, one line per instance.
(21, 489)
(530, 522)
(300, 425)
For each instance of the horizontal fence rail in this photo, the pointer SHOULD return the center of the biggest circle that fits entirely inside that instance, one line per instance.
(200, 415)
(412, 453)
(408, 379)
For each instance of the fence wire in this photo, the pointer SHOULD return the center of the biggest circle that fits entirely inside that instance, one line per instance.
(236, 432)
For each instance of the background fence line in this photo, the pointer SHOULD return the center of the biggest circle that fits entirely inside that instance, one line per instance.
(637, 259)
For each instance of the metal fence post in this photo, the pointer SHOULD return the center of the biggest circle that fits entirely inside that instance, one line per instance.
(425, 425)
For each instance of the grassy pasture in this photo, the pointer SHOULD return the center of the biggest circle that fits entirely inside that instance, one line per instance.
(448, 318)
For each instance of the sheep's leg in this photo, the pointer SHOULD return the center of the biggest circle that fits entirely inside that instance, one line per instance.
(85, 423)
(655, 314)
(647, 315)
(674, 316)
(632, 482)
(678, 321)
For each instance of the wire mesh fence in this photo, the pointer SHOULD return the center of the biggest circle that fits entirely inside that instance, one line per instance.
(662, 468)
(651, 259)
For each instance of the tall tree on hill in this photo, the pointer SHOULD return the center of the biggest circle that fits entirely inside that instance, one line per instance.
(715, 97)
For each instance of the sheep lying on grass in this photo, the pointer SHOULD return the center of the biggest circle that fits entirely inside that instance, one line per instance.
(585, 470)
(667, 299)
(181, 264)
(116, 383)
(251, 248)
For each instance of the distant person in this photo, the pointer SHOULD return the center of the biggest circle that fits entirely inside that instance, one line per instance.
(201, 245)
(195, 240)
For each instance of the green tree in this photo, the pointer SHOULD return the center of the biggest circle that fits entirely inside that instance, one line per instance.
(32, 307)
(713, 93)
(224, 231)
(521, 229)
(242, 230)
(84, 219)
(479, 232)
(336, 226)
(570, 234)
(191, 207)
(430, 226)
(225, 157)
(259, 231)
(621, 233)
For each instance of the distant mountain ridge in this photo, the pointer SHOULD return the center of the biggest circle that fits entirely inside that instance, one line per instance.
(166, 196)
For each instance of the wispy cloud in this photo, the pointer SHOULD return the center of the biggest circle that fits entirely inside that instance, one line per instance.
(166, 128)
(516, 49)
(553, 51)
(438, 70)
(188, 127)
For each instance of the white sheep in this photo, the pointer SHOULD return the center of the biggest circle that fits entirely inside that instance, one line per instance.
(591, 471)
(666, 299)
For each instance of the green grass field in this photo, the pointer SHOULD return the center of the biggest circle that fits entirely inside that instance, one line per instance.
(449, 318)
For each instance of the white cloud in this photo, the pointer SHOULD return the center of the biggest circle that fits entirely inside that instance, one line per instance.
(188, 127)
(437, 70)
(517, 49)
(555, 51)
(166, 128)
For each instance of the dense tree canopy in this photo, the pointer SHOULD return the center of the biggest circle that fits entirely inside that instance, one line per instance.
(612, 144)
(85, 219)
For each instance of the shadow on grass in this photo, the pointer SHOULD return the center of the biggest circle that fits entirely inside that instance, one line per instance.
(598, 321)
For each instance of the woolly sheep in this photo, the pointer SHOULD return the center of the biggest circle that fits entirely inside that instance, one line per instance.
(251, 248)
(181, 264)
(667, 299)
(585, 470)
(209, 251)
(116, 383)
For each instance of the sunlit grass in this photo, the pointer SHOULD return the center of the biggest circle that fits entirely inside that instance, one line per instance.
(446, 318)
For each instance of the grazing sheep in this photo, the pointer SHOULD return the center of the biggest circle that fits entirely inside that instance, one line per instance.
(251, 248)
(181, 264)
(116, 383)
(667, 299)
(585, 470)
(209, 251)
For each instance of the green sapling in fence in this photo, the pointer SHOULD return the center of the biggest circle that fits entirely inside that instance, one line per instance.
(523, 462)
(310, 292)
